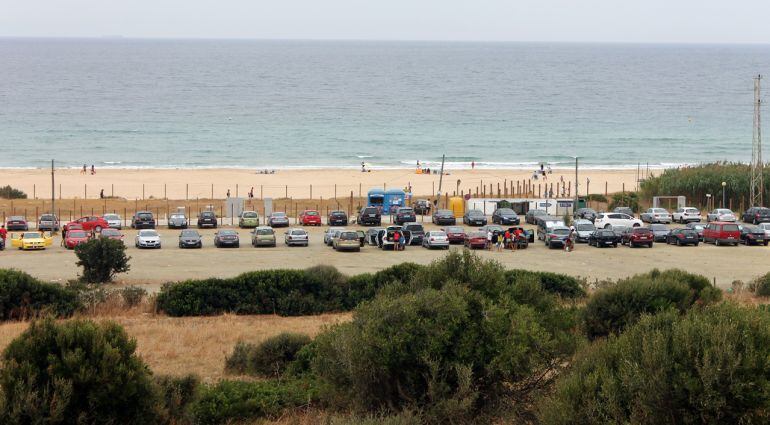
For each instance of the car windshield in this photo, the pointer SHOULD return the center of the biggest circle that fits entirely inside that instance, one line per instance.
(641, 230)
(763, 210)
(607, 233)
(348, 235)
(537, 212)
(337, 213)
(47, 217)
(111, 217)
(443, 212)
(657, 210)
(207, 214)
(264, 231)
(228, 232)
(298, 232)
(413, 227)
(250, 215)
(110, 232)
(311, 213)
(561, 231)
(148, 233)
(721, 211)
(454, 229)
(751, 229)
(77, 234)
(730, 227)
(475, 213)
(585, 227)
(477, 235)
(177, 216)
(31, 235)
(437, 233)
(185, 233)
(658, 227)
(144, 216)
(279, 214)
(505, 211)
(405, 210)
(696, 226)
(16, 218)
(371, 210)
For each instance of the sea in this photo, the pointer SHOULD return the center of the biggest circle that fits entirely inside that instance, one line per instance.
(141, 103)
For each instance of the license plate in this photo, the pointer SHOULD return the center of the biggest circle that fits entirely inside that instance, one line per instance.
(371, 215)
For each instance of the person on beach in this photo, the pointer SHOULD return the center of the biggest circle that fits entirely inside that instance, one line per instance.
(93, 170)
(83, 171)
(101, 194)
(251, 193)
(473, 165)
(363, 167)
(228, 193)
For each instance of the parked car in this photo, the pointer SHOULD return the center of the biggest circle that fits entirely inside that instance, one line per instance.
(361, 237)
(683, 236)
(31, 241)
(330, 234)
(603, 237)
(505, 216)
(207, 219)
(455, 234)
(371, 235)
(263, 236)
(404, 215)
(722, 233)
(143, 220)
(115, 221)
(656, 215)
(75, 238)
(556, 236)
(422, 206)
(637, 236)
(297, 237)
(624, 210)
(2, 244)
(721, 214)
(224, 238)
(545, 223)
(416, 231)
(369, 216)
(530, 234)
(531, 216)
(756, 215)
(475, 218)
(16, 222)
(659, 232)
(111, 233)
(89, 223)
(474, 240)
(337, 218)
(435, 239)
(310, 218)
(686, 215)
(766, 228)
(386, 238)
(697, 227)
(278, 219)
(347, 240)
(147, 238)
(248, 219)
(48, 222)
(585, 214)
(583, 229)
(494, 228)
(753, 235)
(190, 239)
(608, 220)
(444, 217)
(177, 221)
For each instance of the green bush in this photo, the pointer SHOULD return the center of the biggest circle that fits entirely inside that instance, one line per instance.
(612, 309)
(761, 286)
(364, 287)
(176, 396)
(625, 199)
(22, 296)
(75, 372)
(709, 366)
(238, 401)
(132, 295)
(102, 259)
(563, 285)
(268, 359)
(7, 192)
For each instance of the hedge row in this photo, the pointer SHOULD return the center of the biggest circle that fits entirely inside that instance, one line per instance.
(22, 296)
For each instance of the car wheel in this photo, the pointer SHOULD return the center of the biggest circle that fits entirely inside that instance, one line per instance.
(678, 242)
(716, 242)
(98, 229)
(696, 243)
(649, 245)
(615, 245)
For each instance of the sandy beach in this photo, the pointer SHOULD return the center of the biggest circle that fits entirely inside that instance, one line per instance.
(299, 184)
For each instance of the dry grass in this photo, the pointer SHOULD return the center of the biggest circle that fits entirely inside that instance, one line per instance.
(178, 346)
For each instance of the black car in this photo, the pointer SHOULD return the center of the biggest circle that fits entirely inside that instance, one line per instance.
(659, 232)
(337, 218)
(532, 215)
(752, 235)
(416, 231)
(475, 218)
(2, 244)
(422, 206)
(404, 215)
(585, 213)
(602, 238)
(143, 220)
(756, 215)
(369, 216)
(529, 233)
(190, 239)
(505, 216)
(683, 236)
(444, 217)
(207, 219)
(624, 210)
(698, 228)
(226, 238)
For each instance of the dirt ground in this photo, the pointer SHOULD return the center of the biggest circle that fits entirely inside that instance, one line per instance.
(151, 268)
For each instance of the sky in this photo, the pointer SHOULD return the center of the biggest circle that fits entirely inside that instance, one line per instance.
(636, 21)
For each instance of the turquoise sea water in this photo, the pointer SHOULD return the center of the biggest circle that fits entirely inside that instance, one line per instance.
(283, 104)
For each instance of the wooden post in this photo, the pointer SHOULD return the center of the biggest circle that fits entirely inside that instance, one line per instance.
(212, 190)
(34, 195)
(433, 190)
(359, 190)
(85, 191)
(335, 190)
(165, 193)
(286, 191)
(498, 189)
(311, 191)
(112, 190)
(605, 188)
(142, 191)
(187, 191)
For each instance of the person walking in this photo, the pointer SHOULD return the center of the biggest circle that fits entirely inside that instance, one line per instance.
(228, 193)
(93, 170)
(499, 241)
(489, 240)
(251, 193)
(101, 194)
(3, 233)
(473, 165)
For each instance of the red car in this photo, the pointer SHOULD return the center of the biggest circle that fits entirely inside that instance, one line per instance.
(637, 236)
(455, 234)
(721, 233)
(310, 218)
(75, 238)
(89, 223)
(475, 240)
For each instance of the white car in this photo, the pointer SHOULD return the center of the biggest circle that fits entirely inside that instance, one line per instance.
(147, 238)
(583, 229)
(612, 220)
(656, 215)
(114, 221)
(435, 239)
(765, 227)
(721, 214)
(296, 237)
(331, 233)
(686, 215)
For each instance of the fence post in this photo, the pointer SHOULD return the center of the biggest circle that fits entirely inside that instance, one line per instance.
(142, 191)
(85, 191)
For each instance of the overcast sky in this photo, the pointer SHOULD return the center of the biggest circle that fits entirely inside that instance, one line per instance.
(691, 21)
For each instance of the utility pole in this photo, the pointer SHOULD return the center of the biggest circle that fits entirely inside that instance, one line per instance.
(757, 178)
(53, 193)
(577, 195)
(441, 177)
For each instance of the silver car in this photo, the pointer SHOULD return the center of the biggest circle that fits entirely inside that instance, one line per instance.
(296, 237)
(656, 215)
(583, 230)
(177, 221)
(331, 233)
(147, 238)
(113, 220)
(278, 219)
(435, 239)
(721, 214)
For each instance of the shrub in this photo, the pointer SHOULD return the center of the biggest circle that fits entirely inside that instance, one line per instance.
(463, 267)
(625, 199)
(101, 259)
(364, 287)
(75, 372)
(612, 309)
(268, 359)
(709, 366)
(176, 397)
(22, 296)
(7, 192)
(761, 286)
(563, 285)
(241, 401)
(132, 295)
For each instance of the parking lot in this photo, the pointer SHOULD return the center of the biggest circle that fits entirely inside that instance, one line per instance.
(154, 267)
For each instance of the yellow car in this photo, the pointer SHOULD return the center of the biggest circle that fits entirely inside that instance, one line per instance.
(31, 240)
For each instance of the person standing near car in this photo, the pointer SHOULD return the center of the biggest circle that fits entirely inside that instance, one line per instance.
(489, 240)
(396, 241)
(3, 233)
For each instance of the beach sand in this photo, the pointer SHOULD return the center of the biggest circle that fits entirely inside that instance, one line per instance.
(298, 184)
